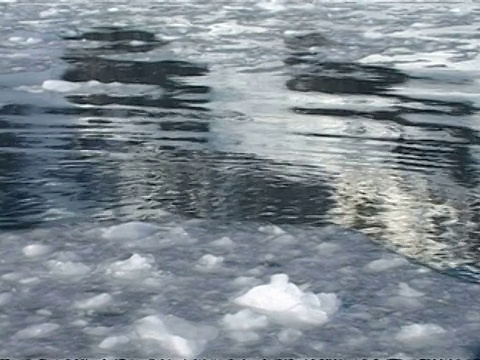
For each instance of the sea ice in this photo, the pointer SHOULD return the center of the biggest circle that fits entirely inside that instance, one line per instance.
(419, 335)
(37, 331)
(136, 266)
(133, 230)
(209, 262)
(386, 263)
(67, 269)
(34, 250)
(285, 303)
(244, 320)
(172, 335)
(94, 302)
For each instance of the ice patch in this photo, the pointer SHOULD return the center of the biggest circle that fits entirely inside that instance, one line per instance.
(289, 336)
(383, 264)
(209, 262)
(244, 320)
(419, 335)
(35, 250)
(172, 335)
(37, 331)
(113, 342)
(224, 242)
(94, 302)
(285, 303)
(135, 266)
(406, 290)
(67, 269)
(130, 231)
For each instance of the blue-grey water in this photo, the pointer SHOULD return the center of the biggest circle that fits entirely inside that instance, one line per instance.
(363, 115)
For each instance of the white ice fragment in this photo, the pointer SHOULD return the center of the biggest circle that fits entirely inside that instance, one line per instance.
(383, 264)
(5, 298)
(30, 280)
(133, 230)
(244, 320)
(271, 230)
(327, 248)
(209, 262)
(44, 312)
(406, 290)
(79, 323)
(285, 303)
(112, 342)
(135, 266)
(289, 336)
(173, 335)
(94, 302)
(419, 335)
(244, 336)
(67, 269)
(37, 331)
(224, 242)
(34, 250)
(60, 86)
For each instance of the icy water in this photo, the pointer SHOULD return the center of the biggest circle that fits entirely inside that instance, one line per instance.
(239, 178)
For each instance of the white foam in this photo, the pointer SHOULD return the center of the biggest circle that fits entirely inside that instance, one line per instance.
(37, 331)
(284, 302)
(94, 302)
(419, 335)
(35, 250)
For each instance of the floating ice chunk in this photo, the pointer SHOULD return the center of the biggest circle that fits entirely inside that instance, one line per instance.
(135, 266)
(37, 331)
(224, 242)
(209, 262)
(285, 303)
(419, 335)
(173, 335)
(133, 230)
(94, 302)
(404, 302)
(244, 320)
(60, 86)
(271, 230)
(35, 250)
(383, 264)
(112, 342)
(406, 290)
(327, 248)
(67, 269)
(289, 336)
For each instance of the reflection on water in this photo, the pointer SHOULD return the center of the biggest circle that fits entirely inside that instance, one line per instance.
(134, 137)
(398, 207)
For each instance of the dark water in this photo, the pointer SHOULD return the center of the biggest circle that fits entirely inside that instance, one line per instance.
(407, 174)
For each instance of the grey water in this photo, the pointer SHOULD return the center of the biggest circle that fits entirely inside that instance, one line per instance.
(363, 115)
